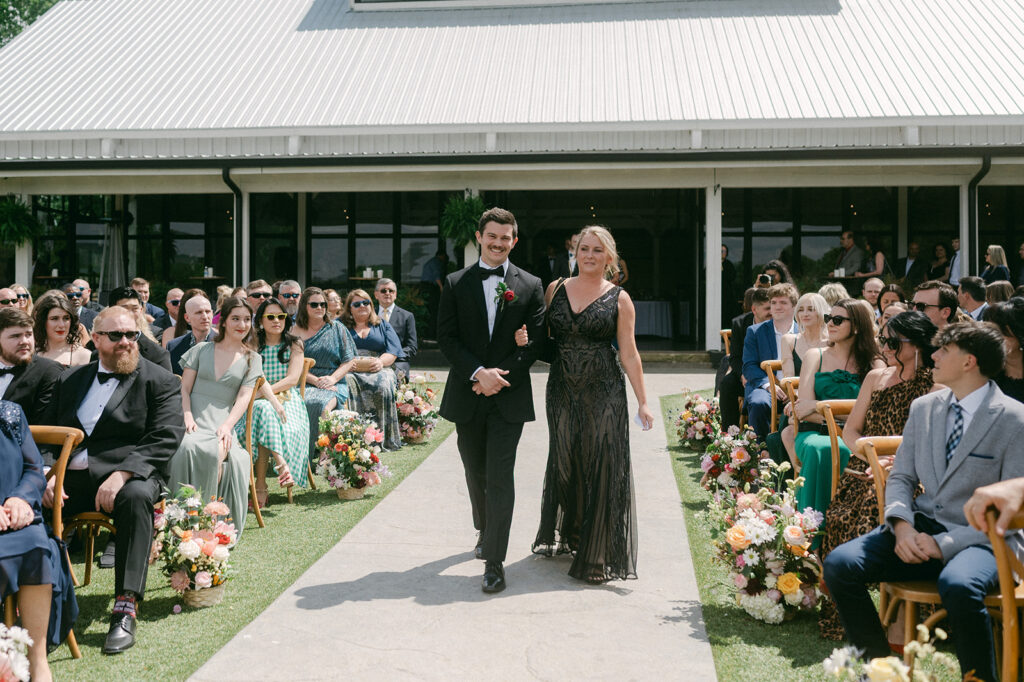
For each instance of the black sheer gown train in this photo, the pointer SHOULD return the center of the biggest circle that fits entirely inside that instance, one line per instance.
(588, 507)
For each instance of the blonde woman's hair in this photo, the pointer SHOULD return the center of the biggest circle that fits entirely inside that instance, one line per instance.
(818, 304)
(997, 255)
(346, 311)
(223, 294)
(608, 242)
(833, 292)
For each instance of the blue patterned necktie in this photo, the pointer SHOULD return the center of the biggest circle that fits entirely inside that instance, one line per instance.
(958, 430)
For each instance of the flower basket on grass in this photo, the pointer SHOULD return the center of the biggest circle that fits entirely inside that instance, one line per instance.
(732, 459)
(417, 415)
(699, 421)
(193, 541)
(349, 447)
(14, 644)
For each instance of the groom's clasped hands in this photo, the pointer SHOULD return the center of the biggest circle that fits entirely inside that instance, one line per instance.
(489, 381)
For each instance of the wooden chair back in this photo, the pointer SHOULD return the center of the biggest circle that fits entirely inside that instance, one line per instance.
(771, 367)
(1011, 592)
(830, 409)
(791, 385)
(871, 448)
(252, 454)
(726, 335)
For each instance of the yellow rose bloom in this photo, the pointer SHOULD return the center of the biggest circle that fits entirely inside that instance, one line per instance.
(788, 583)
(798, 550)
(737, 538)
(888, 669)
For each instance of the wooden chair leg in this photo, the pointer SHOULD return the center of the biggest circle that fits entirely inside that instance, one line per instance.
(90, 553)
(9, 615)
(289, 490)
(909, 626)
(71, 569)
(309, 476)
(73, 645)
(255, 502)
(883, 603)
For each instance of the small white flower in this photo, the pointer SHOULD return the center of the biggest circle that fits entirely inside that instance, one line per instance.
(221, 553)
(751, 558)
(189, 549)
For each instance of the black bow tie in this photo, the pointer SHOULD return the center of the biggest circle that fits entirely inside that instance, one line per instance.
(7, 370)
(496, 272)
(104, 377)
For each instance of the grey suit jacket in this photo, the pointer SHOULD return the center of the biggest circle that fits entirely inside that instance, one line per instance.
(852, 261)
(990, 451)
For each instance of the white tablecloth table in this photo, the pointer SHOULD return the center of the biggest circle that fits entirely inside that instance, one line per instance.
(653, 318)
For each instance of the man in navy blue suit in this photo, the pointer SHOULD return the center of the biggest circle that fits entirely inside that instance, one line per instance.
(761, 343)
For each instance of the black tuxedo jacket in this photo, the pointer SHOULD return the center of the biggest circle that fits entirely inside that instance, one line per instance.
(740, 325)
(33, 388)
(404, 324)
(151, 351)
(462, 337)
(140, 428)
(918, 271)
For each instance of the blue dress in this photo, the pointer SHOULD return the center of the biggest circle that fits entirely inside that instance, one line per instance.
(31, 555)
(374, 392)
(330, 347)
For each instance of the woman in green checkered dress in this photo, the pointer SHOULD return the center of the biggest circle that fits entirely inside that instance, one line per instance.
(286, 443)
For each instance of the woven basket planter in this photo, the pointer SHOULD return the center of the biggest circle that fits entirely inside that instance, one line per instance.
(211, 596)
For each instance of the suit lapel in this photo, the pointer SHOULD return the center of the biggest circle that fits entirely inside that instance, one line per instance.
(117, 397)
(937, 427)
(983, 422)
(512, 282)
(476, 295)
(79, 384)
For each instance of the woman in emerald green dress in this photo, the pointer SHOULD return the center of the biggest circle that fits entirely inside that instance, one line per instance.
(831, 373)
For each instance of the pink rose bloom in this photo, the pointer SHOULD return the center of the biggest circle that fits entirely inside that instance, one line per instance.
(370, 477)
(204, 534)
(209, 546)
(766, 516)
(379, 437)
(216, 508)
(748, 501)
(740, 561)
(227, 529)
(179, 581)
(706, 464)
(203, 580)
(740, 456)
(159, 521)
(740, 580)
(774, 595)
(794, 535)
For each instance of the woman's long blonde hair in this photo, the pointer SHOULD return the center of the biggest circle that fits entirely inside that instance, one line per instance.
(607, 241)
(997, 255)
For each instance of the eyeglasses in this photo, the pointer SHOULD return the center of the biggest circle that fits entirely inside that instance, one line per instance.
(260, 294)
(116, 337)
(8, 301)
(275, 317)
(386, 291)
(290, 295)
(22, 295)
(893, 342)
(836, 320)
(921, 306)
(174, 302)
(317, 304)
(359, 304)
(74, 294)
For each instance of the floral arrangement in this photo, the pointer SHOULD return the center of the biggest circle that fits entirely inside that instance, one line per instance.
(14, 644)
(417, 415)
(699, 421)
(349, 449)
(765, 541)
(733, 459)
(193, 540)
(846, 664)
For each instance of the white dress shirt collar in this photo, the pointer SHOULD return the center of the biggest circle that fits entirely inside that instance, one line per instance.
(969, 406)
(485, 266)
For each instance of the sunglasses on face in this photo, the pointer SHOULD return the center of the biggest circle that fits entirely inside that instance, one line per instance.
(836, 320)
(290, 295)
(8, 301)
(386, 291)
(276, 317)
(317, 304)
(359, 304)
(116, 337)
(921, 306)
(23, 296)
(259, 294)
(175, 302)
(892, 342)
(74, 294)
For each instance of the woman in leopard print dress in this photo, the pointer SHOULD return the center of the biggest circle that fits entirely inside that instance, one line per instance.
(881, 410)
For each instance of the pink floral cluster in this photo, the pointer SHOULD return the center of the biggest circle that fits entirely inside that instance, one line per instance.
(193, 541)
(349, 447)
(417, 415)
(732, 459)
(699, 421)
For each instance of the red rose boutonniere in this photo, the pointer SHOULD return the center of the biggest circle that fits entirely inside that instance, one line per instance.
(503, 295)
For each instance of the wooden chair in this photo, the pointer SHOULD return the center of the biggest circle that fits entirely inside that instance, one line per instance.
(726, 335)
(307, 365)
(1005, 606)
(252, 454)
(830, 409)
(770, 367)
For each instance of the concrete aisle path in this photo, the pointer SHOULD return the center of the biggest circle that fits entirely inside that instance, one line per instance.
(399, 597)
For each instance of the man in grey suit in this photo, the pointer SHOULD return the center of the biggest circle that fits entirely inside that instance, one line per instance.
(851, 258)
(956, 440)
(403, 322)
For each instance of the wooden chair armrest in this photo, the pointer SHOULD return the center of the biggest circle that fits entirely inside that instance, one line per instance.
(871, 448)
(68, 439)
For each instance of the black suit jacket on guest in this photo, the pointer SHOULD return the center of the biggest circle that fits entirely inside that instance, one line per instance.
(918, 271)
(140, 428)
(462, 337)
(153, 352)
(33, 388)
(404, 324)
(86, 316)
(740, 325)
(177, 347)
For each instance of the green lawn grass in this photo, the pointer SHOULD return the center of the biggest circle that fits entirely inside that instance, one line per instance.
(266, 561)
(740, 645)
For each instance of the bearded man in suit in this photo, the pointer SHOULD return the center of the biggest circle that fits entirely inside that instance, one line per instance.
(956, 440)
(26, 379)
(488, 393)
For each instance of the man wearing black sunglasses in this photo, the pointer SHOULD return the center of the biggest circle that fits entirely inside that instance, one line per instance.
(129, 299)
(86, 291)
(938, 301)
(256, 292)
(74, 294)
(8, 298)
(199, 316)
(289, 294)
(170, 317)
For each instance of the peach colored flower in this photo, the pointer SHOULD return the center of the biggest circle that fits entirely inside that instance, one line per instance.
(203, 579)
(216, 508)
(737, 538)
(180, 581)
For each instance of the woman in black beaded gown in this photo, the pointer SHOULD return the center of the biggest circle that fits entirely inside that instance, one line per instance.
(588, 506)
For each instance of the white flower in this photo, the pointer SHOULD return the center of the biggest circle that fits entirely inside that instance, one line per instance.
(794, 599)
(363, 454)
(839, 661)
(175, 513)
(189, 549)
(193, 501)
(761, 607)
(751, 558)
(770, 580)
(221, 553)
(794, 535)
(409, 395)
(419, 379)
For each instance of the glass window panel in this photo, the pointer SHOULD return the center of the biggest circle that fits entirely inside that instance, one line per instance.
(150, 218)
(375, 213)
(771, 210)
(146, 256)
(764, 249)
(274, 258)
(273, 214)
(329, 213)
(89, 253)
(50, 255)
(187, 259)
(821, 209)
(732, 208)
(415, 253)
(872, 209)
(419, 213)
(376, 254)
(329, 260)
(219, 256)
(199, 214)
(932, 217)
(90, 229)
(735, 246)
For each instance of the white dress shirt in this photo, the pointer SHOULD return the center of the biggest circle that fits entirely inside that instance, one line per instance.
(969, 406)
(572, 262)
(793, 329)
(910, 264)
(978, 312)
(6, 379)
(90, 410)
(954, 269)
(489, 285)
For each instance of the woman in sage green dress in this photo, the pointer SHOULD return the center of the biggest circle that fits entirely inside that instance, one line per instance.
(216, 383)
(279, 417)
(832, 373)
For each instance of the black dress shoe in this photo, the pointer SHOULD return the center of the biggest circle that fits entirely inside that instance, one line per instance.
(494, 577)
(478, 551)
(121, 635)
(107, 558)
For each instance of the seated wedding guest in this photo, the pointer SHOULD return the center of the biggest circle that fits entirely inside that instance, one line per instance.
(199, 318)
(971, 296)
(891, 311)
(372, 388)
(996, 269)
(26, 379)
(731, 387)
(180, 327)
(24, 298)
(86, 291)
(33, 567)
(217, 381)
(401, 320)
(778, 272)
(142, 286)
(1008, 317)
(289, 293)
(8, 298)
(334, 304)
(832, 373)
(955, 440)
(872, 291)
(881, 410)
(938, 301)
(762, 343)
(810, 318)
(170, 316)
(997, 292)
(912, 270)
(223, 294)
(129, 299)
(890, 293)
(256, 292)
(58, 333)
(74, 296)
(130, 411)
(832, 292)
(280, 420)
(333, 349)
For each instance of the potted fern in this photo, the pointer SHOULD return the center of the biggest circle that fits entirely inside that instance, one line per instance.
(459, 222)
(17, 224)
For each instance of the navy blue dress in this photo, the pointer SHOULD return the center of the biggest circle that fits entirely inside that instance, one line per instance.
(31, 555)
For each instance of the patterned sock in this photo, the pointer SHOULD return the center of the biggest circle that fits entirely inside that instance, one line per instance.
(125, 603)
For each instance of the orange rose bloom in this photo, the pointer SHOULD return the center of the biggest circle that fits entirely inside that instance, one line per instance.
(737, 538)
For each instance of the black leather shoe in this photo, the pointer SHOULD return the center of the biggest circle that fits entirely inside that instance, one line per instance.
(107, 558)
(478, 551)
(121, 635)
(494, 577)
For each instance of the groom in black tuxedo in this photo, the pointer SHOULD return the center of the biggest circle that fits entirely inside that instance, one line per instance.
(488, 393)
(130, 411)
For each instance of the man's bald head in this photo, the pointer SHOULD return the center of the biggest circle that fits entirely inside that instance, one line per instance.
(199, 316)
(8, 298)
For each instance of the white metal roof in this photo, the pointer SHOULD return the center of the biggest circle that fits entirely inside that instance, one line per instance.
(202, 68)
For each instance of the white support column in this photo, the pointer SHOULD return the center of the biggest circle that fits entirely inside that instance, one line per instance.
(712, 266)
(471, 251)
(246, 241)
(901, 221)
(965, 230)
(301, 227)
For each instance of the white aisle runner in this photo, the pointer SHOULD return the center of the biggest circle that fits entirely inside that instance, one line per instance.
(399, 597)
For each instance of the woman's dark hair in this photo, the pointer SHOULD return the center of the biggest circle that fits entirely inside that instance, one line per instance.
(1008, 316)
(862, 325)
(302, 316)
(42, 310)
(919, 330)
(230, 304)
(180, 325)
(891, 289)
(780, 267)
(998, 292)
(288, 340)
